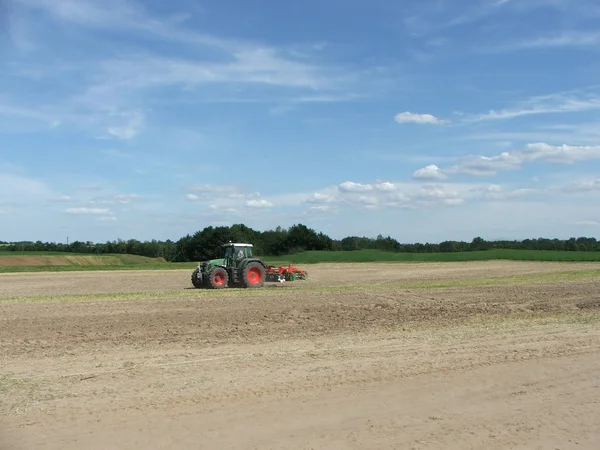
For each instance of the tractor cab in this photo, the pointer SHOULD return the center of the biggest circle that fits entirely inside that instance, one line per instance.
(235, 251)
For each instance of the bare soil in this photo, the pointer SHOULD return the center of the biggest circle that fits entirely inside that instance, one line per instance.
(311, 364)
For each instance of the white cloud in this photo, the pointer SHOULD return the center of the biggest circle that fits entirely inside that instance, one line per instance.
(323, 208)
(211, 191)
(562, 102)
(583, 186)
(574, 38)
(258, 65)
(351, 186)
(259, 204)
(125, 198)
(63, 199)
(107, 219)
(560, 154)
(122, 199)
(485, 165)
(224, 209)
(399, 195)
(513, 160)
(118, 15)
(417, 195)
(433, 18)
(88, 211)
(430, 172)
(18, 187)
(497, 192)
(408, 117)
(318, 197)
(106, 95)
(434, 194)
(129, 127)
(385, 186)
(368, 200)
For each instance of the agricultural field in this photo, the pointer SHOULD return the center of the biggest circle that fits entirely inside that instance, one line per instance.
(427, 355)
(61, 261)
(11, 262)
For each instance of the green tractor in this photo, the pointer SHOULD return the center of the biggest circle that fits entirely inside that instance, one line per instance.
(235, 267)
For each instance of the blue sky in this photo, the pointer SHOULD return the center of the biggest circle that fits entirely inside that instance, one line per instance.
(425, 120)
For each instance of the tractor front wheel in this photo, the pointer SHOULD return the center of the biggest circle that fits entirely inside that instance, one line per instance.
(253, 275)
(218, 278)
(195, 280)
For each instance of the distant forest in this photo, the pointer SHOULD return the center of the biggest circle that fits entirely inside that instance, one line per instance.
(204, 244)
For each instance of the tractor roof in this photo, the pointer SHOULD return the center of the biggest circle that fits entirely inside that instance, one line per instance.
(235, 244)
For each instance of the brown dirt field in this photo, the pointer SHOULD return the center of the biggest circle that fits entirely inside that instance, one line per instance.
(320, 275)
(138, 360)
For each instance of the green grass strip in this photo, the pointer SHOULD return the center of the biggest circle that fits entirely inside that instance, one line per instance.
(359, 256)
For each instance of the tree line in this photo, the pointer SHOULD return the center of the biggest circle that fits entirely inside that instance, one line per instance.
(204, 244)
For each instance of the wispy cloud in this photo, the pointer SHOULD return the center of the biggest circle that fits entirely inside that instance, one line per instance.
(583, 186)
(513, 160)
(408, 117)
(208, 192)
(477, 11)
(391, 194)
(580, 133)
(88, 211)
(112, 93)
(440, 16)
(575, 38)
(131, 124)
(125, 15)
(20, 188)
(561, 102)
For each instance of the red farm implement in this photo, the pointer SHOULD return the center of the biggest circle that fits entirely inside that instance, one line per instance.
(281, 274)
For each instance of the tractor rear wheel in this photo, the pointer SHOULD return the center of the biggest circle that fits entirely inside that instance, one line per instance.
(195, 281)
(253, 275)
(218, 278)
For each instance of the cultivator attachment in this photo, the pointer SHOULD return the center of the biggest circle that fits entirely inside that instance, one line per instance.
(281, 274)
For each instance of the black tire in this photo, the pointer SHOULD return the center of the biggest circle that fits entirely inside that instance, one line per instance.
(218, 278)
(195, 281)
(253, 275)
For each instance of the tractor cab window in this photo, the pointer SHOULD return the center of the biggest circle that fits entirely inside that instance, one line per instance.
(241, 252)
(228, 252)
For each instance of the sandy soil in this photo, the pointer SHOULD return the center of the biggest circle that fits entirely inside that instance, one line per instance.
(30, 284)
(305, 365)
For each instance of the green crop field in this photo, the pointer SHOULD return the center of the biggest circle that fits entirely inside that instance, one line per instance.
(62, 262)
(382, 256)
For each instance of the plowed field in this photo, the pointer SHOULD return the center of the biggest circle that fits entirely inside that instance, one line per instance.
(429, 355)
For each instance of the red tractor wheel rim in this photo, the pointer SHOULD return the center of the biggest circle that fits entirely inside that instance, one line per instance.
(219, 279)
(254, 275)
